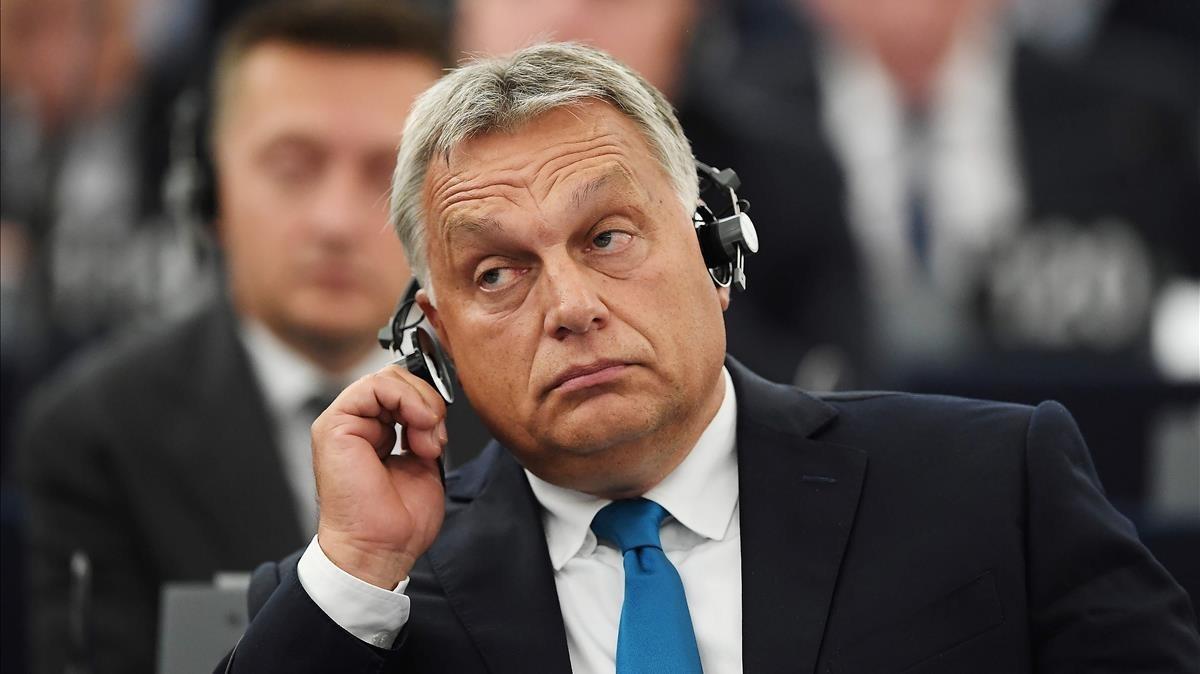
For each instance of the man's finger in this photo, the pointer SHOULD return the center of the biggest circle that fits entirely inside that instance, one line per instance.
(427, 392)
(384, 393)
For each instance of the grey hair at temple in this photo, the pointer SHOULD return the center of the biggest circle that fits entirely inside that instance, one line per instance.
(502, 94)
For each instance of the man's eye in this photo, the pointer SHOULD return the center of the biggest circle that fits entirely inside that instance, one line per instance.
(611, 239)
(292, 168)
(496, 278)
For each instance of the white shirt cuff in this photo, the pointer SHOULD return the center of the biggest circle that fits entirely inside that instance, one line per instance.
(370, 613)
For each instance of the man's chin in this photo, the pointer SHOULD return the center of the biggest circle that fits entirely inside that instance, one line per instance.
(338, 321)
(597, 423)
(333, 331)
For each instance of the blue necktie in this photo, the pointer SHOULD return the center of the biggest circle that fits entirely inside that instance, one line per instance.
(656, 628)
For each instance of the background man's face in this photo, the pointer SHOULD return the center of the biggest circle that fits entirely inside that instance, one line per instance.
(305, 156)
(564, 245)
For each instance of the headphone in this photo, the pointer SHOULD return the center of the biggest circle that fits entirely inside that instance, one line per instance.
(189, 184)
(416, 348)
(727, 237)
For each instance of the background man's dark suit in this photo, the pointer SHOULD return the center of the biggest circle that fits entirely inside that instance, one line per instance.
(878, 531)
(172, 474)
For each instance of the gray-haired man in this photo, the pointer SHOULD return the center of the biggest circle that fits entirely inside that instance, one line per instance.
(651, 504)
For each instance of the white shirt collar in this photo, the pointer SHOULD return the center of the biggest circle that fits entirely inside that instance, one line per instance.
(287, 379)
(701, 493)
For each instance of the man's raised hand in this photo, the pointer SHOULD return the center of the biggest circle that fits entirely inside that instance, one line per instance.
(379, 511)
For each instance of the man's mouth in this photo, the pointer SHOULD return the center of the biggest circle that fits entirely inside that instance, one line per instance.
(591, 374)
(333, 277)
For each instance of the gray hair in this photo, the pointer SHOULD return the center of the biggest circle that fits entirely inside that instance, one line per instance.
(501, 94)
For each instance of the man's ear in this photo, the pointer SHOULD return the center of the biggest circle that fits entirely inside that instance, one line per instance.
(435, 320)
(723, 295)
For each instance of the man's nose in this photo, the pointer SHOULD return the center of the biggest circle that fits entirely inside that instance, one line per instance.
(340, 205)
(575, 306)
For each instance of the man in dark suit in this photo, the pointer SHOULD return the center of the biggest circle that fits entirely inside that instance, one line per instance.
(651, 504)
(177, 455)
(1041, 192)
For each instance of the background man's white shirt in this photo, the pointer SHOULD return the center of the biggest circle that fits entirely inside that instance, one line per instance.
(288, 382)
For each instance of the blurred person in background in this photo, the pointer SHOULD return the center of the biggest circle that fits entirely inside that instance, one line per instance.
(1006, 197)
(85, 87)
(1020, 177)
(803, 322)
(183, 453)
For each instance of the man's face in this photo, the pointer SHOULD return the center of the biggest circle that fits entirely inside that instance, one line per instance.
(305, 154)
(573, 297)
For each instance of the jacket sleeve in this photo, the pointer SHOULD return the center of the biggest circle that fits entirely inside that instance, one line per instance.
(1098, 599)
(288, 632)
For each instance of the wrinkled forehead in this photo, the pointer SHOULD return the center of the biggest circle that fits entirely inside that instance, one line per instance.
(590, 143)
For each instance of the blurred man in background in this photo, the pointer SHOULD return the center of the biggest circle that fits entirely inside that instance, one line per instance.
(1005, 195)
(85, 87)
(186, 453)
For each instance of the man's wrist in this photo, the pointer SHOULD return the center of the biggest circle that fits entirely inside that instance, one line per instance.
(370, 613)
(383, 569)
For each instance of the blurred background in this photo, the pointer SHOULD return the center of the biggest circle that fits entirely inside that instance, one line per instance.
(987, 198)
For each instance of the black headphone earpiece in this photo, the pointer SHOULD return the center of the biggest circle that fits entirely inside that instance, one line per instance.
(418, 351)
(189, 192)
(727, 235)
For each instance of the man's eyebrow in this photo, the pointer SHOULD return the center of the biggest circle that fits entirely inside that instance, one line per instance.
(464, 224)
(586, 190)
(290, 141)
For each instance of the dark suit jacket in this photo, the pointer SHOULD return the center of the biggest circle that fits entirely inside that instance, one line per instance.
(879, 532)
(155, 457)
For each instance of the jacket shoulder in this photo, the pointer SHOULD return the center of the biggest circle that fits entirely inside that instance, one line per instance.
(910, 425)
(884, 408)
(127, 363)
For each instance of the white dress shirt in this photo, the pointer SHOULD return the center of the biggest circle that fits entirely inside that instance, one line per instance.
(288, 382)
(702, 538)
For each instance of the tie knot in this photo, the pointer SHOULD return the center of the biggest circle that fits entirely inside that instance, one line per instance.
(317, 403)
(630, 524)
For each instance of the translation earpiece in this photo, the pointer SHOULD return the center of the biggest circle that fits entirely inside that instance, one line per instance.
(726, 233)
(417, 349)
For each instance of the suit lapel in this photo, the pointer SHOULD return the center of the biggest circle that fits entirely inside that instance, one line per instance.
(798, 498)
(495, 570)
(229, 451)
